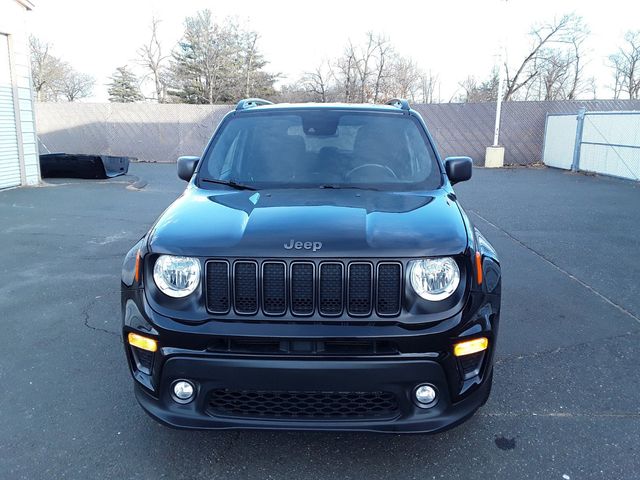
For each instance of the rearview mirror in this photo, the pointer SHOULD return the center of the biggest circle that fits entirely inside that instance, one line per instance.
(458, 168)
(186, 167)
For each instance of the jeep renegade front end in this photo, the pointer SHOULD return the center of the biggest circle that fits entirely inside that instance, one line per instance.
(317, 273)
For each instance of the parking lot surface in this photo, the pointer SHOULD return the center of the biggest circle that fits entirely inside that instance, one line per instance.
(565, 397)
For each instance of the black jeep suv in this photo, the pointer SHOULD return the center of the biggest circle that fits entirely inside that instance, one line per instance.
(316, 273)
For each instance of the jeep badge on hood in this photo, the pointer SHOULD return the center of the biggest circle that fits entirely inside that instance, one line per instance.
(313, 246)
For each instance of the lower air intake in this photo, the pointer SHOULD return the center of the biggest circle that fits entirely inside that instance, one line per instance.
(302, 405)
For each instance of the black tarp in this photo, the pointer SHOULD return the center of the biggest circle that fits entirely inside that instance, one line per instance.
(65, 165)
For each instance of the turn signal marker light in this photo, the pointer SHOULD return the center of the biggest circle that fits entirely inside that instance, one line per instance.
(470, 346)
(143, 343)
(137, 271)
(479, 268)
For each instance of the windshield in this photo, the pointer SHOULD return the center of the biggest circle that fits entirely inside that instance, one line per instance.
(322, 148)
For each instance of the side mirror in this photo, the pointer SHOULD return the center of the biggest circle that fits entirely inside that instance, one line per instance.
(186, 167)
(458, 168)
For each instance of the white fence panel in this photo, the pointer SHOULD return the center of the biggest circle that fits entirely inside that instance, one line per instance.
(610, 160)
(611, 144)
(559, 141)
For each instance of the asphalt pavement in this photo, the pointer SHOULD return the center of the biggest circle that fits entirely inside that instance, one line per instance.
(567, 381)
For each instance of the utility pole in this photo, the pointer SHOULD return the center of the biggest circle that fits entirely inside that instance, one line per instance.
(496, 130)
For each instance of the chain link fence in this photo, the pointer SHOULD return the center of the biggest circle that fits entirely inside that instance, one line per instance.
(162, 132)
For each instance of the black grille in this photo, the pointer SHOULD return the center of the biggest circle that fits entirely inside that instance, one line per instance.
(302, 405)
(218, 286)
(302, 288)
(360, 288)
(274, 288)
(389, 285)
(331, 288)
(245, 287)
(302, 347)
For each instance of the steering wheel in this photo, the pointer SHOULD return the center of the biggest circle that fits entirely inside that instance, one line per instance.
(386, 169)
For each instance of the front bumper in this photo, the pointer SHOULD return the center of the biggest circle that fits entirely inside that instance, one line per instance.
(186, 353)
(399, 378)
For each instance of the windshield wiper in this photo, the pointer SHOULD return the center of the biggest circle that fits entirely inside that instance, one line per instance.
(228, 183)
(339, 187)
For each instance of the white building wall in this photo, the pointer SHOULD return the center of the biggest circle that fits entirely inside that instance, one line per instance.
(13, 22)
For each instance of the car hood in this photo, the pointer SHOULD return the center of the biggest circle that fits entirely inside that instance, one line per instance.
(346, 222)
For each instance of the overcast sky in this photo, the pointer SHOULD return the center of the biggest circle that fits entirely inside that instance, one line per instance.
(452, 38)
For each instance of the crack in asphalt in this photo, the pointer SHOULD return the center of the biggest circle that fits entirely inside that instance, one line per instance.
(87, 316)
(559, 268)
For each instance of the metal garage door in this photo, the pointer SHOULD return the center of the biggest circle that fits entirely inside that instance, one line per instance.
(9, 160)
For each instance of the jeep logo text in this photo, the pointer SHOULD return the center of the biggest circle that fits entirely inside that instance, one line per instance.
(313, 246)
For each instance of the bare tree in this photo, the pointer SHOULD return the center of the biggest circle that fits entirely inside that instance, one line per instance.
(406, 79)
(367, 72)
(47, 70)
(555, 75)
(626, 66)
(54, 79)
(373, 71)
(542, 35)
(385, 50)
(480, 91)
(428, 85)
(616, 65)
(152, 58)
(74, 85)
(318, 82)
(347, 71)
(363, 64)
(577, 39)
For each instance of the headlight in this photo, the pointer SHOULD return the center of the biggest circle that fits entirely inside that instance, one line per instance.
(176, 276)
(434, 278)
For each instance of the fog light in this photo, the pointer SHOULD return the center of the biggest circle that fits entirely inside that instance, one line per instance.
(426, 396)
(183, 391)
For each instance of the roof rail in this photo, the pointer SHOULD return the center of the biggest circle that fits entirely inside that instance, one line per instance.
(251, 102)
(400, 103)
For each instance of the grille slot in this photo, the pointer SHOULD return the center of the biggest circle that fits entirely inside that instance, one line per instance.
(302, 404)
(245, 287)
(389, 288)
(302, 288)
(274, 297)
(360, 288)
(331, 289)
(218, 286)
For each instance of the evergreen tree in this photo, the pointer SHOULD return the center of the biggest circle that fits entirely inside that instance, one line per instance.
(124, 87)
(217, 62)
